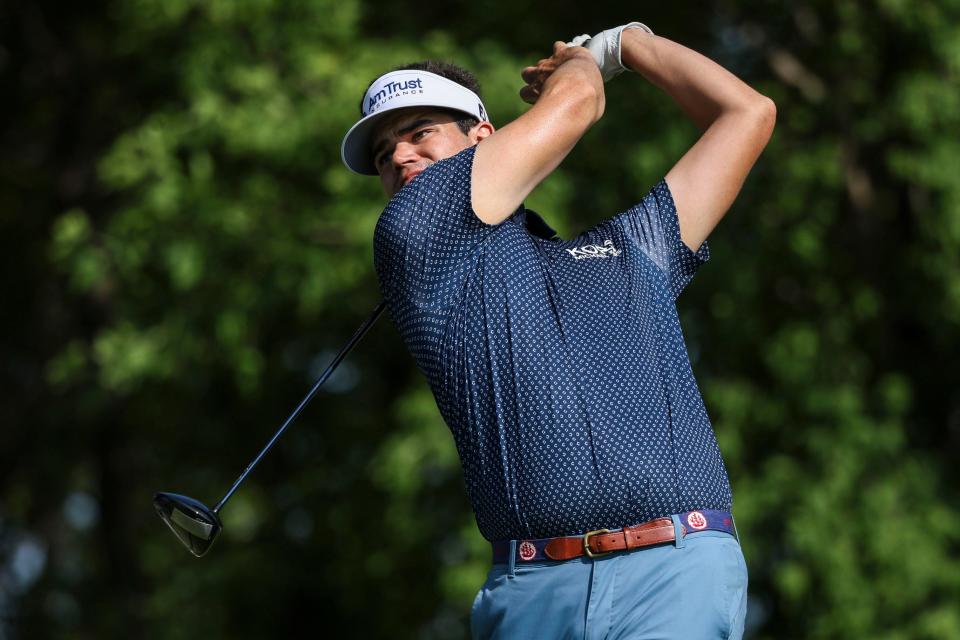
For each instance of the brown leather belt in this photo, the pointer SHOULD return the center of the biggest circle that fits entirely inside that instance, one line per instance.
(601, 542)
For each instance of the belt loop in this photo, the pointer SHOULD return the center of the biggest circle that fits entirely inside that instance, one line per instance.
(677, 531)
(735, 532)
(512, 562)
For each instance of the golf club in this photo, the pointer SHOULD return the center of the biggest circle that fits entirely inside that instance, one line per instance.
(195, 524)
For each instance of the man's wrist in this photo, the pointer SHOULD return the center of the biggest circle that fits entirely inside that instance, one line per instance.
(606, 48)
(636, 45)
(581, 61)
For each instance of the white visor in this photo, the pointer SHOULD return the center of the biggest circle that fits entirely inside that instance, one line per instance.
(398, 90)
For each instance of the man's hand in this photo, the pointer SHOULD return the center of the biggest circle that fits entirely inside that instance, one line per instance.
(606, 48)
(536, 75)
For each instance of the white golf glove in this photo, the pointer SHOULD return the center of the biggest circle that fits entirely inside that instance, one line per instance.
(605, 47)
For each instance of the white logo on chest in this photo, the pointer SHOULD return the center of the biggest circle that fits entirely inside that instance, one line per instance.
(606, 250)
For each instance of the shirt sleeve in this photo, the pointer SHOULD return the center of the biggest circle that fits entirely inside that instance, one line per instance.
(653, 226)
(425, 238)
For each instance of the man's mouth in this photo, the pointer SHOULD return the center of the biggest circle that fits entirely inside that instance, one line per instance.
(407, 177)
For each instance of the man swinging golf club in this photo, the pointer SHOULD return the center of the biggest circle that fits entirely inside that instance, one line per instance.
(560, 366)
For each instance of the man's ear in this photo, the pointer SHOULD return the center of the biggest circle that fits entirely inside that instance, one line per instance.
(480, 131)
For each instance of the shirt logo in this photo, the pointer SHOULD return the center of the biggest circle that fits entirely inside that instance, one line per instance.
(606, 250)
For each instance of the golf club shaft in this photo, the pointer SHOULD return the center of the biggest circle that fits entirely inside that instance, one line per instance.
(323, 378)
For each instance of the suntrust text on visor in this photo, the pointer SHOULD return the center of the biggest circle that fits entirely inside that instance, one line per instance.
(398, 90)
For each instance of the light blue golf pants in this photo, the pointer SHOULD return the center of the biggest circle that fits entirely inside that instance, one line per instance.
(692, 589)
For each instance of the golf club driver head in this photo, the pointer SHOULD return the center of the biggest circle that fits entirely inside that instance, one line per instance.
(194, 524)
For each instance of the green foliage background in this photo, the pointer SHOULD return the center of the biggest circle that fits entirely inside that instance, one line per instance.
(182, 252)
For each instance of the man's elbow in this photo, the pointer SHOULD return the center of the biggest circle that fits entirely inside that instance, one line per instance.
(753, 121)
(764, 111)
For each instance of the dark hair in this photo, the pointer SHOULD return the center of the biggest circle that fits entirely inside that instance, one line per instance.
(449, 71)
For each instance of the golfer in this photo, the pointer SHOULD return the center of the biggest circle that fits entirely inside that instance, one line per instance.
(560, 365)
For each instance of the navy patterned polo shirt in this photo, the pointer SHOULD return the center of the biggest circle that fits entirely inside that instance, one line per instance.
(559, 366)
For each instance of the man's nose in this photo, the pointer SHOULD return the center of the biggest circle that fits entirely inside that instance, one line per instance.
(404, 153)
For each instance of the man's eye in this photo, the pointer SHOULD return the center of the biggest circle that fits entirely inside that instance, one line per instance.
(420, 134)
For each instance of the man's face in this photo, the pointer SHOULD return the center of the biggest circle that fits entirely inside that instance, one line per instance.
(411, 140)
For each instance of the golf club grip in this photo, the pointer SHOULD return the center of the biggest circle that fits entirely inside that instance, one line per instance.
(360, 332)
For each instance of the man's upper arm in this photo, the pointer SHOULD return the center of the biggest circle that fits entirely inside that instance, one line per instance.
(707, 179)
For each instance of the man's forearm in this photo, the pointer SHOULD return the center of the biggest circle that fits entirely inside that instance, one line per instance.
(568, 98)
(702, 88)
